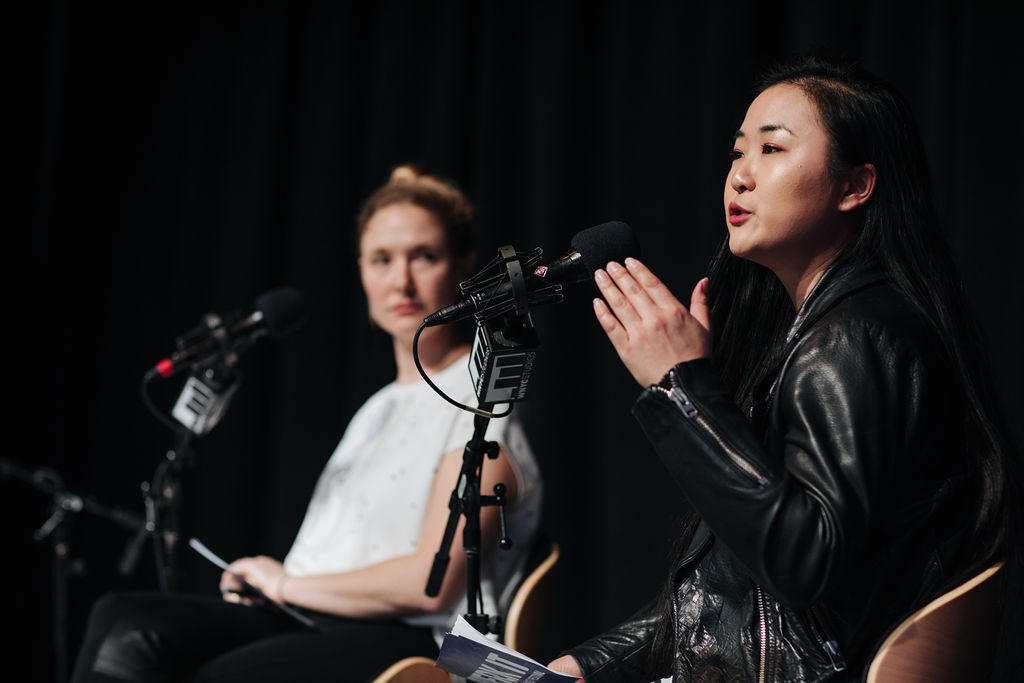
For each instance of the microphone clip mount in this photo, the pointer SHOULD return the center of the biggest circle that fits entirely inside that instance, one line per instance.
(508, 266)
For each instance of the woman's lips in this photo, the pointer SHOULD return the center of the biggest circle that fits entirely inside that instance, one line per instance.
(737, 214)
(406, 308)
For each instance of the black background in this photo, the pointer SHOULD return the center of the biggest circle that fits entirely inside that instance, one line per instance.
(186, 157)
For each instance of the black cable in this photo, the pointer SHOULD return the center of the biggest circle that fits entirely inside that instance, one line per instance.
(144, 390)
(416, 359)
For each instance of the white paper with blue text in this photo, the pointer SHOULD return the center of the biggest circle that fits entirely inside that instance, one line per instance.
(468, 653)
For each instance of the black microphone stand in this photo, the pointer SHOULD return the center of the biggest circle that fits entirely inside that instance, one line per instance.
(162, 499)
(514, 335)
(196, 414)
(466, 501)
(63, 508)
(55, 529)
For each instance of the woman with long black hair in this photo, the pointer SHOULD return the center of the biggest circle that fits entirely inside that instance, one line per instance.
(823, 403)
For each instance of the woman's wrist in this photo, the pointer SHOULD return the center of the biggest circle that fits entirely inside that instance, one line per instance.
(280, 586)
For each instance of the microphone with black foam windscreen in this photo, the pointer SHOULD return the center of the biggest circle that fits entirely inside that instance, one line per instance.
(276, 313)
(211, 351)
(502, 361)
(592, 248)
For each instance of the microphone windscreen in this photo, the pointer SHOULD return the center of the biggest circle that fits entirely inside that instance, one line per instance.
(283, 310)
(612, 241)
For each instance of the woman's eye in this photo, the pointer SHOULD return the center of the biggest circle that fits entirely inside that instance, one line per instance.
(428, 257)
(735, 154)
(769, 149)
(380, 260)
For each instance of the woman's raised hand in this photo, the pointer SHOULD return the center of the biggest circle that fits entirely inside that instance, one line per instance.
(648, 326)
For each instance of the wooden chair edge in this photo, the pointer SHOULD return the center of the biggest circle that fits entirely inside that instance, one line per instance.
(515, 608)
(412, 669)
(909, 621)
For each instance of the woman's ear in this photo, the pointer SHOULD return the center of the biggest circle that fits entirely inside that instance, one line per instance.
(859, 187)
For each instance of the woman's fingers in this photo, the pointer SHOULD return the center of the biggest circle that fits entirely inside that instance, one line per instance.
(609, 323)
(231, 588)
(610, 283)
(228, 581)
(634, 291)
(654, 289)
(566, 664)
(634, 298)
(647, 295)
(649, 327)
(699, 304)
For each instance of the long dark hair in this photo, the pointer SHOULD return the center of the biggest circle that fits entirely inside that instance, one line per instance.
(867, 121)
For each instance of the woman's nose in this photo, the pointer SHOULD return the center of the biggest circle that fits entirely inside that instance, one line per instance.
(403, 278)
(740, 177)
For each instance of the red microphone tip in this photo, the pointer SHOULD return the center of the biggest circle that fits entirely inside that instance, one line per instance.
(165, 368)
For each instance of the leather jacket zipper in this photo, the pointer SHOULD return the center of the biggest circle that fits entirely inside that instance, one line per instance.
(827, 643)
(762, 625)
(675, 637)
(689, 410)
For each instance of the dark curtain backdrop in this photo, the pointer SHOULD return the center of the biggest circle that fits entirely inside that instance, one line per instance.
(186, 157)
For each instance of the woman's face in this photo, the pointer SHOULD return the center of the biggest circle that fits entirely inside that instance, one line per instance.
(781, 206)
(405, 268)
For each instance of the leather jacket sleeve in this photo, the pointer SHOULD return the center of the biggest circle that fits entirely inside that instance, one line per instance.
(620, 653)
(796, 512)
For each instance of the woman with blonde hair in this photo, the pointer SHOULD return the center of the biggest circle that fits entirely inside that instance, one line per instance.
(360, 562)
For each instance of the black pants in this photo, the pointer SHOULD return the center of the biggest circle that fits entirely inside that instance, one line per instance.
(156, 637)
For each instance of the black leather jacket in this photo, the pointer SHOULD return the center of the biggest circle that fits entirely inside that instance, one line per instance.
(829, 513)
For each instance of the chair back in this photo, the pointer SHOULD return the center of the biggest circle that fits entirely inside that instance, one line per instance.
(527, 610)
(521, 628)
(413, 670)
(949, 640)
